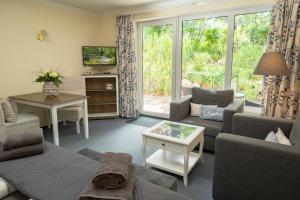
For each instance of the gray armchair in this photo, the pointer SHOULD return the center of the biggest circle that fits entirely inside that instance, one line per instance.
(180, 112)
(247, 167)
(25, 122)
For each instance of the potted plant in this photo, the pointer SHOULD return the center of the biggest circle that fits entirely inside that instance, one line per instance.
(51, 80)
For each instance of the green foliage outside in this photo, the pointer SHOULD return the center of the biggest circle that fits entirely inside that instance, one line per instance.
(204, 54)
(250, 41)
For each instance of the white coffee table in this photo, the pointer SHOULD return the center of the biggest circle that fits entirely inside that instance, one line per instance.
(176, 142)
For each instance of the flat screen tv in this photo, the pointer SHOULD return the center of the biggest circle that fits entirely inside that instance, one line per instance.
(99, 55)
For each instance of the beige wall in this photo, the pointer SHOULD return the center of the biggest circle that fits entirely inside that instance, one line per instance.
(21, 54)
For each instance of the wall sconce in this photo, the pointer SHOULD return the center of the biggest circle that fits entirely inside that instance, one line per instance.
(42, 35)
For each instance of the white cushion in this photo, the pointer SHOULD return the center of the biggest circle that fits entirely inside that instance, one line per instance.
(5, 188)
(281, 138)
(195, 109)
(271, 137)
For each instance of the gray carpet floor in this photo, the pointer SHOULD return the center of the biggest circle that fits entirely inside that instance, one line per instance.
(116, 135)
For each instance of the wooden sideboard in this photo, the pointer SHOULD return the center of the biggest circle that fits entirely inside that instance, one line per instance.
(103, 96)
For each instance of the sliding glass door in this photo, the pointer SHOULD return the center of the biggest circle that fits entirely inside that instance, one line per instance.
(157, 60)
(219, 51)
(203, 53)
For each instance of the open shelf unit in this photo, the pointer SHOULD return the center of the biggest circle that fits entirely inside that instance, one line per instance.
(102, 102)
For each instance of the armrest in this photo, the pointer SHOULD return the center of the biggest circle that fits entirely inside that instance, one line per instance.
(237, 106)
(248, 168)
(180, 109)
(256, 126)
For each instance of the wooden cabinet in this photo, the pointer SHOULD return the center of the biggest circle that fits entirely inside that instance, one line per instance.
(103, 98)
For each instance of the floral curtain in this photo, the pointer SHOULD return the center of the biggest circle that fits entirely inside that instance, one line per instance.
(280, 93)
(126, 64)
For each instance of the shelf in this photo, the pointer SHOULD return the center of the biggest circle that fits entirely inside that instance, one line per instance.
(113, 90)
(102, 104)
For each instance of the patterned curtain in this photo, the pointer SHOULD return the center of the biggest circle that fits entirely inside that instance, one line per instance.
(280, 93)
(126, 63)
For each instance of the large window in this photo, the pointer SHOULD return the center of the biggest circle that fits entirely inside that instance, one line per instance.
(204, 52)
(216, 52)
(250, 37)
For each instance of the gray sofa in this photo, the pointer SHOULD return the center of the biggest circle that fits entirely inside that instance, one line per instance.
(247, 167)
(180, 112)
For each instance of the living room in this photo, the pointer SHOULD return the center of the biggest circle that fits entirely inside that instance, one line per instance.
(155, 99)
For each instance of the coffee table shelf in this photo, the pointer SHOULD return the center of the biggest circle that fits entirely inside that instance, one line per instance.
(172, 161)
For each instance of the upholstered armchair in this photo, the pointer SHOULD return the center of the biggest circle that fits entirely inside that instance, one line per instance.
(180, 112)
(26, 122)
(248, 167)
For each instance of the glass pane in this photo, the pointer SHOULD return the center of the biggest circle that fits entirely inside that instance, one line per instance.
(157, 65)
(203, 53)
(250, 39)
(174, 130)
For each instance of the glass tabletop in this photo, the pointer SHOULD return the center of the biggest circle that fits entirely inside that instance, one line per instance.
(174, 130)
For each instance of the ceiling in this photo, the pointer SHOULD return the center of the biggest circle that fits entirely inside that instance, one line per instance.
(113, 6)
(106, 6)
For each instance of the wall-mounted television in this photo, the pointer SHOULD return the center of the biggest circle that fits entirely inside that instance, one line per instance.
(99, 55)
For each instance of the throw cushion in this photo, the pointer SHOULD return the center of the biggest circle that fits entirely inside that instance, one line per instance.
(271, 137)
(8, 111)
(195, 109)
(295, 133)
(5, 188)
(2, 119)
(222, 98)
(211, 112)
(281, 138)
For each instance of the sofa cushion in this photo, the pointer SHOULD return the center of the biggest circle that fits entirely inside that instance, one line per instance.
(2, 119)
(212, 128)
(222, 98)
(295, 133)
(9, 114)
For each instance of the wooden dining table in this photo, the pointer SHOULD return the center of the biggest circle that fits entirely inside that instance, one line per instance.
(54, 103)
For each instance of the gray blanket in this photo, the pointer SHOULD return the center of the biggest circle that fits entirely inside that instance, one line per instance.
(60, 174)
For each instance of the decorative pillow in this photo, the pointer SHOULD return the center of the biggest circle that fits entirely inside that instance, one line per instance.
(271, 137)
(281, 138)
(212, 112)
(2, 119)
(195, 109)
(5, 188)
(8, 111)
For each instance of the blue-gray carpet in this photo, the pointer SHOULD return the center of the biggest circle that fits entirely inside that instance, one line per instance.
(118, 136)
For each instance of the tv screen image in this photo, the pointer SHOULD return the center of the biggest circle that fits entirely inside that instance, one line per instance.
(99, 55)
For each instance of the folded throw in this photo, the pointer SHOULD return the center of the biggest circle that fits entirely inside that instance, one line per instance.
(113, 170)
(123, 193)
(21, 152)
(17, 140)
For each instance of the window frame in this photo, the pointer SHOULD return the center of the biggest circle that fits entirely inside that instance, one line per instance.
(177, 73)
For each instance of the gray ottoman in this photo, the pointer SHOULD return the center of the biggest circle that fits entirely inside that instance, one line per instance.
(155, 177)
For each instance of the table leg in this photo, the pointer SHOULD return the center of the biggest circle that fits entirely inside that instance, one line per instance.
(201, 148)
(144, 152)
(86, 120)
(55, 126)
(185, 167)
